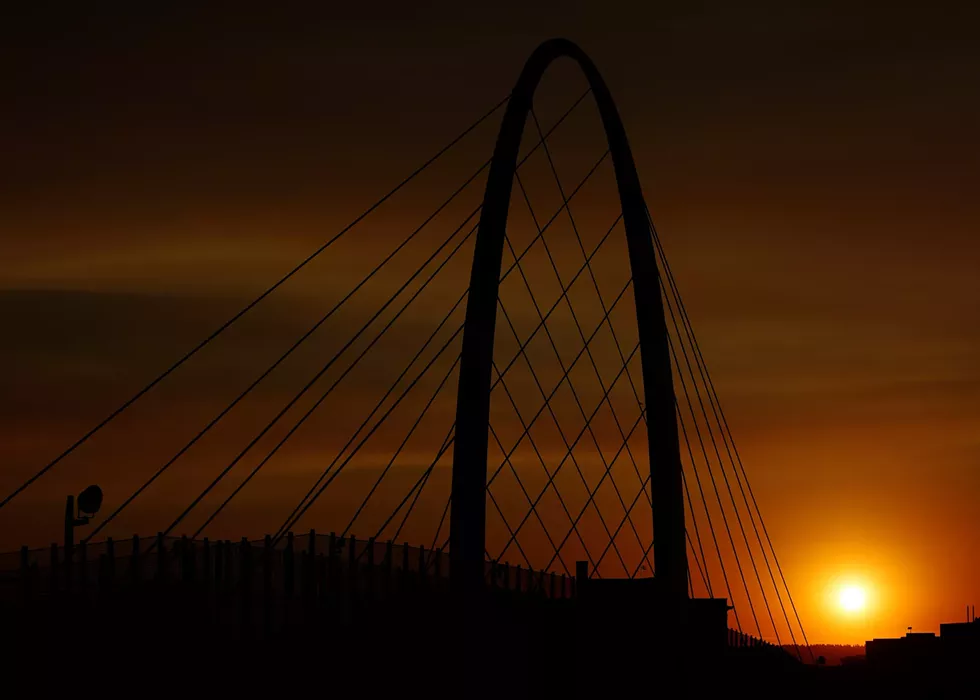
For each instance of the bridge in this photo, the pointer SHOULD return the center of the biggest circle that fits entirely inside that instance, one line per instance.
(560, 382)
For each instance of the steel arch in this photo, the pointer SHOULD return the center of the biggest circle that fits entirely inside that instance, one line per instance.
(468, 517)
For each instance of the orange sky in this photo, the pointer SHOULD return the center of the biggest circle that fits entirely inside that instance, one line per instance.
(811, 173)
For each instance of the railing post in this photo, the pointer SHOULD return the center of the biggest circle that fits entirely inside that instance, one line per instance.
(82, 567)
(438, 563)
(506, 576)
(352, 565)
(422, 567)
(493, 574)
(309, 571)
(192, 577)
(289, 567)
(161, 558)
(517, 578)
(110, 553)
(185, 559)
(219, 566)
(305, 567)
(551, 585)
(102, 577)
(267, 583)
(54, 567)
(135, 573)
(389, 565)
(322, 564)
(69, 556)
(370, 567)
(246, 573)
(206, 565)
(26, 581)
(404, 572)
(229, 566)
(333, 560)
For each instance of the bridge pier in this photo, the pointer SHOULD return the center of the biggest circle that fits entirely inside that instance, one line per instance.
(693, 629)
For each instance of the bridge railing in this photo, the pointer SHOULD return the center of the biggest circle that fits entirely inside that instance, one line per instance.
(743, 644)
(295, 564)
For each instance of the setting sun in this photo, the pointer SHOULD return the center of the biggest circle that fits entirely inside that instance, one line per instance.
(852, 598)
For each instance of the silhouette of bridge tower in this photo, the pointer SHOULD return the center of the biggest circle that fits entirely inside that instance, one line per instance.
(384, 467)
(467, 526)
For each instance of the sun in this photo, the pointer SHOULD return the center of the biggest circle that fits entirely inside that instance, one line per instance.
(852, 598)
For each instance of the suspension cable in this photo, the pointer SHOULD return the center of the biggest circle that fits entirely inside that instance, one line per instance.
(730, 444)
(697, 534)
(367, 437)
(320, 322)
(323, 319)
(450, 438)
(551, 412)
(193, 351)
(527, 497)
(714, 484)
(636, 499)
(401, 446)
(312, 381)
(563, 377)
(577, 438)
(707, 511)
(347, 371)
(592, 494)
(721, 465)
(581, 184)
(588, 351)
(537, 452)
(595, 284)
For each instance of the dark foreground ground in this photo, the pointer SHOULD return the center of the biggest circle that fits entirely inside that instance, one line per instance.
(420, 647)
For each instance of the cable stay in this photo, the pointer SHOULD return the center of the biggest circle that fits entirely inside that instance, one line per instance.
(574, 443)
(286, 525)
(248, 307)
(214, 421)
(537, 383)
(320, 373)
(558, 358)
(734, 460)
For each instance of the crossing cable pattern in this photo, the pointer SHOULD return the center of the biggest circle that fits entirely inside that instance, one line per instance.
(622, 542)
(310, 497)
(602, 306)
(575, 395)
(717, 427)
(569, 450)
(578, 327)
(248, 307)
(323, 319)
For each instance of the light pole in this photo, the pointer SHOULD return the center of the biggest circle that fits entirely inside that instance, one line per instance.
(89, 502)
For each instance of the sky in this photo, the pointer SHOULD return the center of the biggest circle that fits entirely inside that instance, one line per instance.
(810, 168)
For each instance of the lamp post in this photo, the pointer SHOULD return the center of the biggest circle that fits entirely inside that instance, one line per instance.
(89, 502)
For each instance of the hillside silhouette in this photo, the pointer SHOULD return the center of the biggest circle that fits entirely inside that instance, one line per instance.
(832, 653)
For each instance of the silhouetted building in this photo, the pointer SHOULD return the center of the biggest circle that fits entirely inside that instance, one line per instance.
(957, 646)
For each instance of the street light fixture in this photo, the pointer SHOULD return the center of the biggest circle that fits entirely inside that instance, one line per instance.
(89, 502)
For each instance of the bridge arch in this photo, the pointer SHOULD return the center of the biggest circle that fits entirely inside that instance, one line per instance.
(469, 475)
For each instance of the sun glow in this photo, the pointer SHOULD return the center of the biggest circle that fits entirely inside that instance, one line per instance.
(852, 598)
